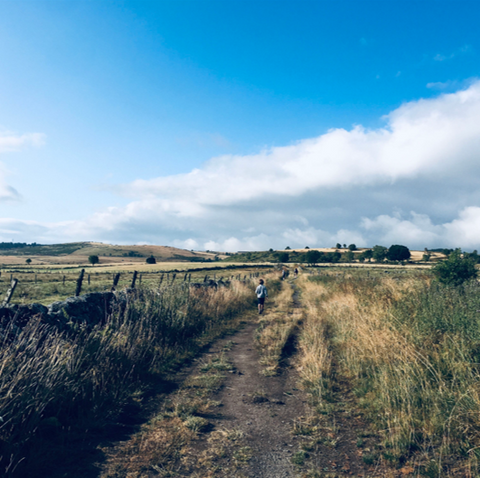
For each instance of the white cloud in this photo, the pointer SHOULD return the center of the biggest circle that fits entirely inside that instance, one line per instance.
(419, 137)
(339, 187)
(10, 142)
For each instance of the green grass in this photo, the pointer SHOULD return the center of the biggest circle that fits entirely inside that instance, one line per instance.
(58, 384)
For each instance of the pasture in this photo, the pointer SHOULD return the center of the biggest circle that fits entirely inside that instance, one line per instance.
(49, 283)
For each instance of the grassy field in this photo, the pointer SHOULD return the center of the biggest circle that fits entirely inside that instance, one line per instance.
(78, 250)
(49, 284)
(57, 388)
(409, 349)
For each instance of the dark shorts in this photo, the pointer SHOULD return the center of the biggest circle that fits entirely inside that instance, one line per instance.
(261, 300)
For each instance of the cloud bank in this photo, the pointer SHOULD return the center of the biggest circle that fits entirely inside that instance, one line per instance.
(414, 181)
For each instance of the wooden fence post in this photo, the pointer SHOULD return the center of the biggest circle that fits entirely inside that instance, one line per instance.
(173, 277)
(35, 278)
(63, 280)
(161, 280)
(79, 283)
(140, 280)
(185, 278)
(10, 291)
(116, 278)
(88, 279)
(134, 279)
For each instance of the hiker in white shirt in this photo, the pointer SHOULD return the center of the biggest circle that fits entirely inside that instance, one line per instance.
(262, 294)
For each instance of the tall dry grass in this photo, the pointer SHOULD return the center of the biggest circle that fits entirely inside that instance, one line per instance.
(56, 384)
(411, 350)
(276, 327)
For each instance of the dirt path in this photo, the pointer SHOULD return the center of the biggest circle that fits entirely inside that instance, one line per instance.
(258, 426)
(262, 408)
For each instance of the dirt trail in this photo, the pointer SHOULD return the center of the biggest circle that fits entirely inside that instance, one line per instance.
(263, 408)
(277, 435)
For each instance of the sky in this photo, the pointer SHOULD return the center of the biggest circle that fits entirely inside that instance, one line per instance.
(240, 125)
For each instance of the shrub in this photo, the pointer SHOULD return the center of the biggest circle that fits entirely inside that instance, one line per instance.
(379, 253)
(151, 260)
(313, 256)
(93, 260)
(398, 253)
(283, 257)
(455, 270)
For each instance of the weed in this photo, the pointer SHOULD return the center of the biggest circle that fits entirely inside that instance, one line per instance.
(299, 457)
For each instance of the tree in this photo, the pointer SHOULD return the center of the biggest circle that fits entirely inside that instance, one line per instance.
(349, 256)
(455, 270)
(287, 248)
(151, 260)
(352, 247)
(367, 255)
(283, 257)
(306, 247)
(338, 246)
(336, 256)
(313, 256)
(379, 253)
(270, 250)
(93, 260)
(398, 253)
(28, 261)
(426, 257)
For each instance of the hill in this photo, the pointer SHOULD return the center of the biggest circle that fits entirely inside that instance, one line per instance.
(78, 252)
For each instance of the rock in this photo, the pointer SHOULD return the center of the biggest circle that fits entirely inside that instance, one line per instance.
(91, 308)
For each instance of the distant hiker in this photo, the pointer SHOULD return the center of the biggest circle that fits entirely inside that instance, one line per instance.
(284, 274)
(262, 294)
(296, 272)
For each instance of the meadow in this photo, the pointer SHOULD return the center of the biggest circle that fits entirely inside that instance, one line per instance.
(47, 284)
(58, 388)
(408, 349)
(389, 344)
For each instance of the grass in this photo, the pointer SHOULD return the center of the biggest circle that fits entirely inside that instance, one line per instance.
(410, 349)
(49, 285)
(276, 327)
(54, 386)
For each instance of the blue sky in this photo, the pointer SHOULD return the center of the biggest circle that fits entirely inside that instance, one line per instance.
(240, 124)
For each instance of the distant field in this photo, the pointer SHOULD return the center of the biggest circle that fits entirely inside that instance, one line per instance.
(78, 252)
(49, 284)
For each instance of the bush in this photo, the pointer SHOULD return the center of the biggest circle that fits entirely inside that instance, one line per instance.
(283, 257)
(352, 247)
(398, 253)
(379, 253)
(455, 270)
(151, 260)
(313, 256)
(93, 260)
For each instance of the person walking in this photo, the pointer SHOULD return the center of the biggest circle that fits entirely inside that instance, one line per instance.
(262, 294)
(296, 272)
